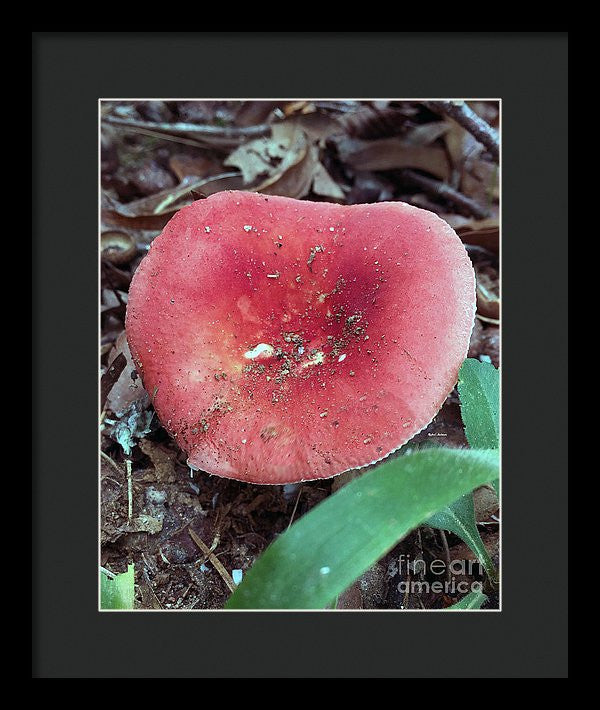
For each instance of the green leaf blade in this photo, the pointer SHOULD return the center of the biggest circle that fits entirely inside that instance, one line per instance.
(333, 544)
(117, 593)
(473, 600)
(478, 388)
(459, 518)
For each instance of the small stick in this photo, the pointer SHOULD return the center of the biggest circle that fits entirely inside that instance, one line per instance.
(446, 553)
(111, 462)
(420, 545)
(166, 137)
(215, 543)
(492, 321)
(436, 188)
(471, 122)
(216, 563)
(229, 132)
(114, 480)
(129, 491)
(155, 601)
(163, 556)
(406, 592)
(295, 508)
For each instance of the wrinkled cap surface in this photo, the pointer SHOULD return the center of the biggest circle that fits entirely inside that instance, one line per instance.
(285, 340)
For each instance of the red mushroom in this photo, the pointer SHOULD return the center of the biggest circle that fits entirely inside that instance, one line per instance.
(285, 340)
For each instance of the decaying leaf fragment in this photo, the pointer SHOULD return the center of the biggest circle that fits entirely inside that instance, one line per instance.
(286, 163)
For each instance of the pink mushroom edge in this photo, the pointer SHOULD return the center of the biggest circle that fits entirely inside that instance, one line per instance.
(285, 340)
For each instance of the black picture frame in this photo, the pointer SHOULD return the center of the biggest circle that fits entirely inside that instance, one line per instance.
(528, 72)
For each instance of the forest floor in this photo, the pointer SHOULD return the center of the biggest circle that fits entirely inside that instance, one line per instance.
(159, 156)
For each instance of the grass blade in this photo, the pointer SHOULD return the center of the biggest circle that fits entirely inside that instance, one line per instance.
(117, 593)
(473, 600)
(459, 518)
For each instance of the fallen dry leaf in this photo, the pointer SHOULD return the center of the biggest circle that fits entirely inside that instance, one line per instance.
(319, 126)
(488, 300)
(298, 107)
(185, 165)
(150, 178)
(485, 502)
(485, 264)
(296, 179)
(111, 376)
(162, 460)
(426, 133)
(324, 185)
(145, 523)
(126, 390)
(488, 110)
(251, 113)
(270, 156)
(118, 247)
(392, 153)
(370, 187)
(480, 181)
(377, 119)
(152, 213)
(483, 233)
(461, 145)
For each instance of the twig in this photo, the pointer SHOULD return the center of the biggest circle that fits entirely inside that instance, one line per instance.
(493, 321)
(225, 576)
(406, 591)
(422, 202)
(129, 491)
(181, 128)
(439, 189)
(154, 600)
(106, 273)
(167, 137)
(108, 573)
(295, 508)
(446, 554)
(106, 457)
(470, 121)
(113, 480)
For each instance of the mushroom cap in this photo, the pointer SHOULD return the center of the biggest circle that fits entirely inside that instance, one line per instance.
(285, 340)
